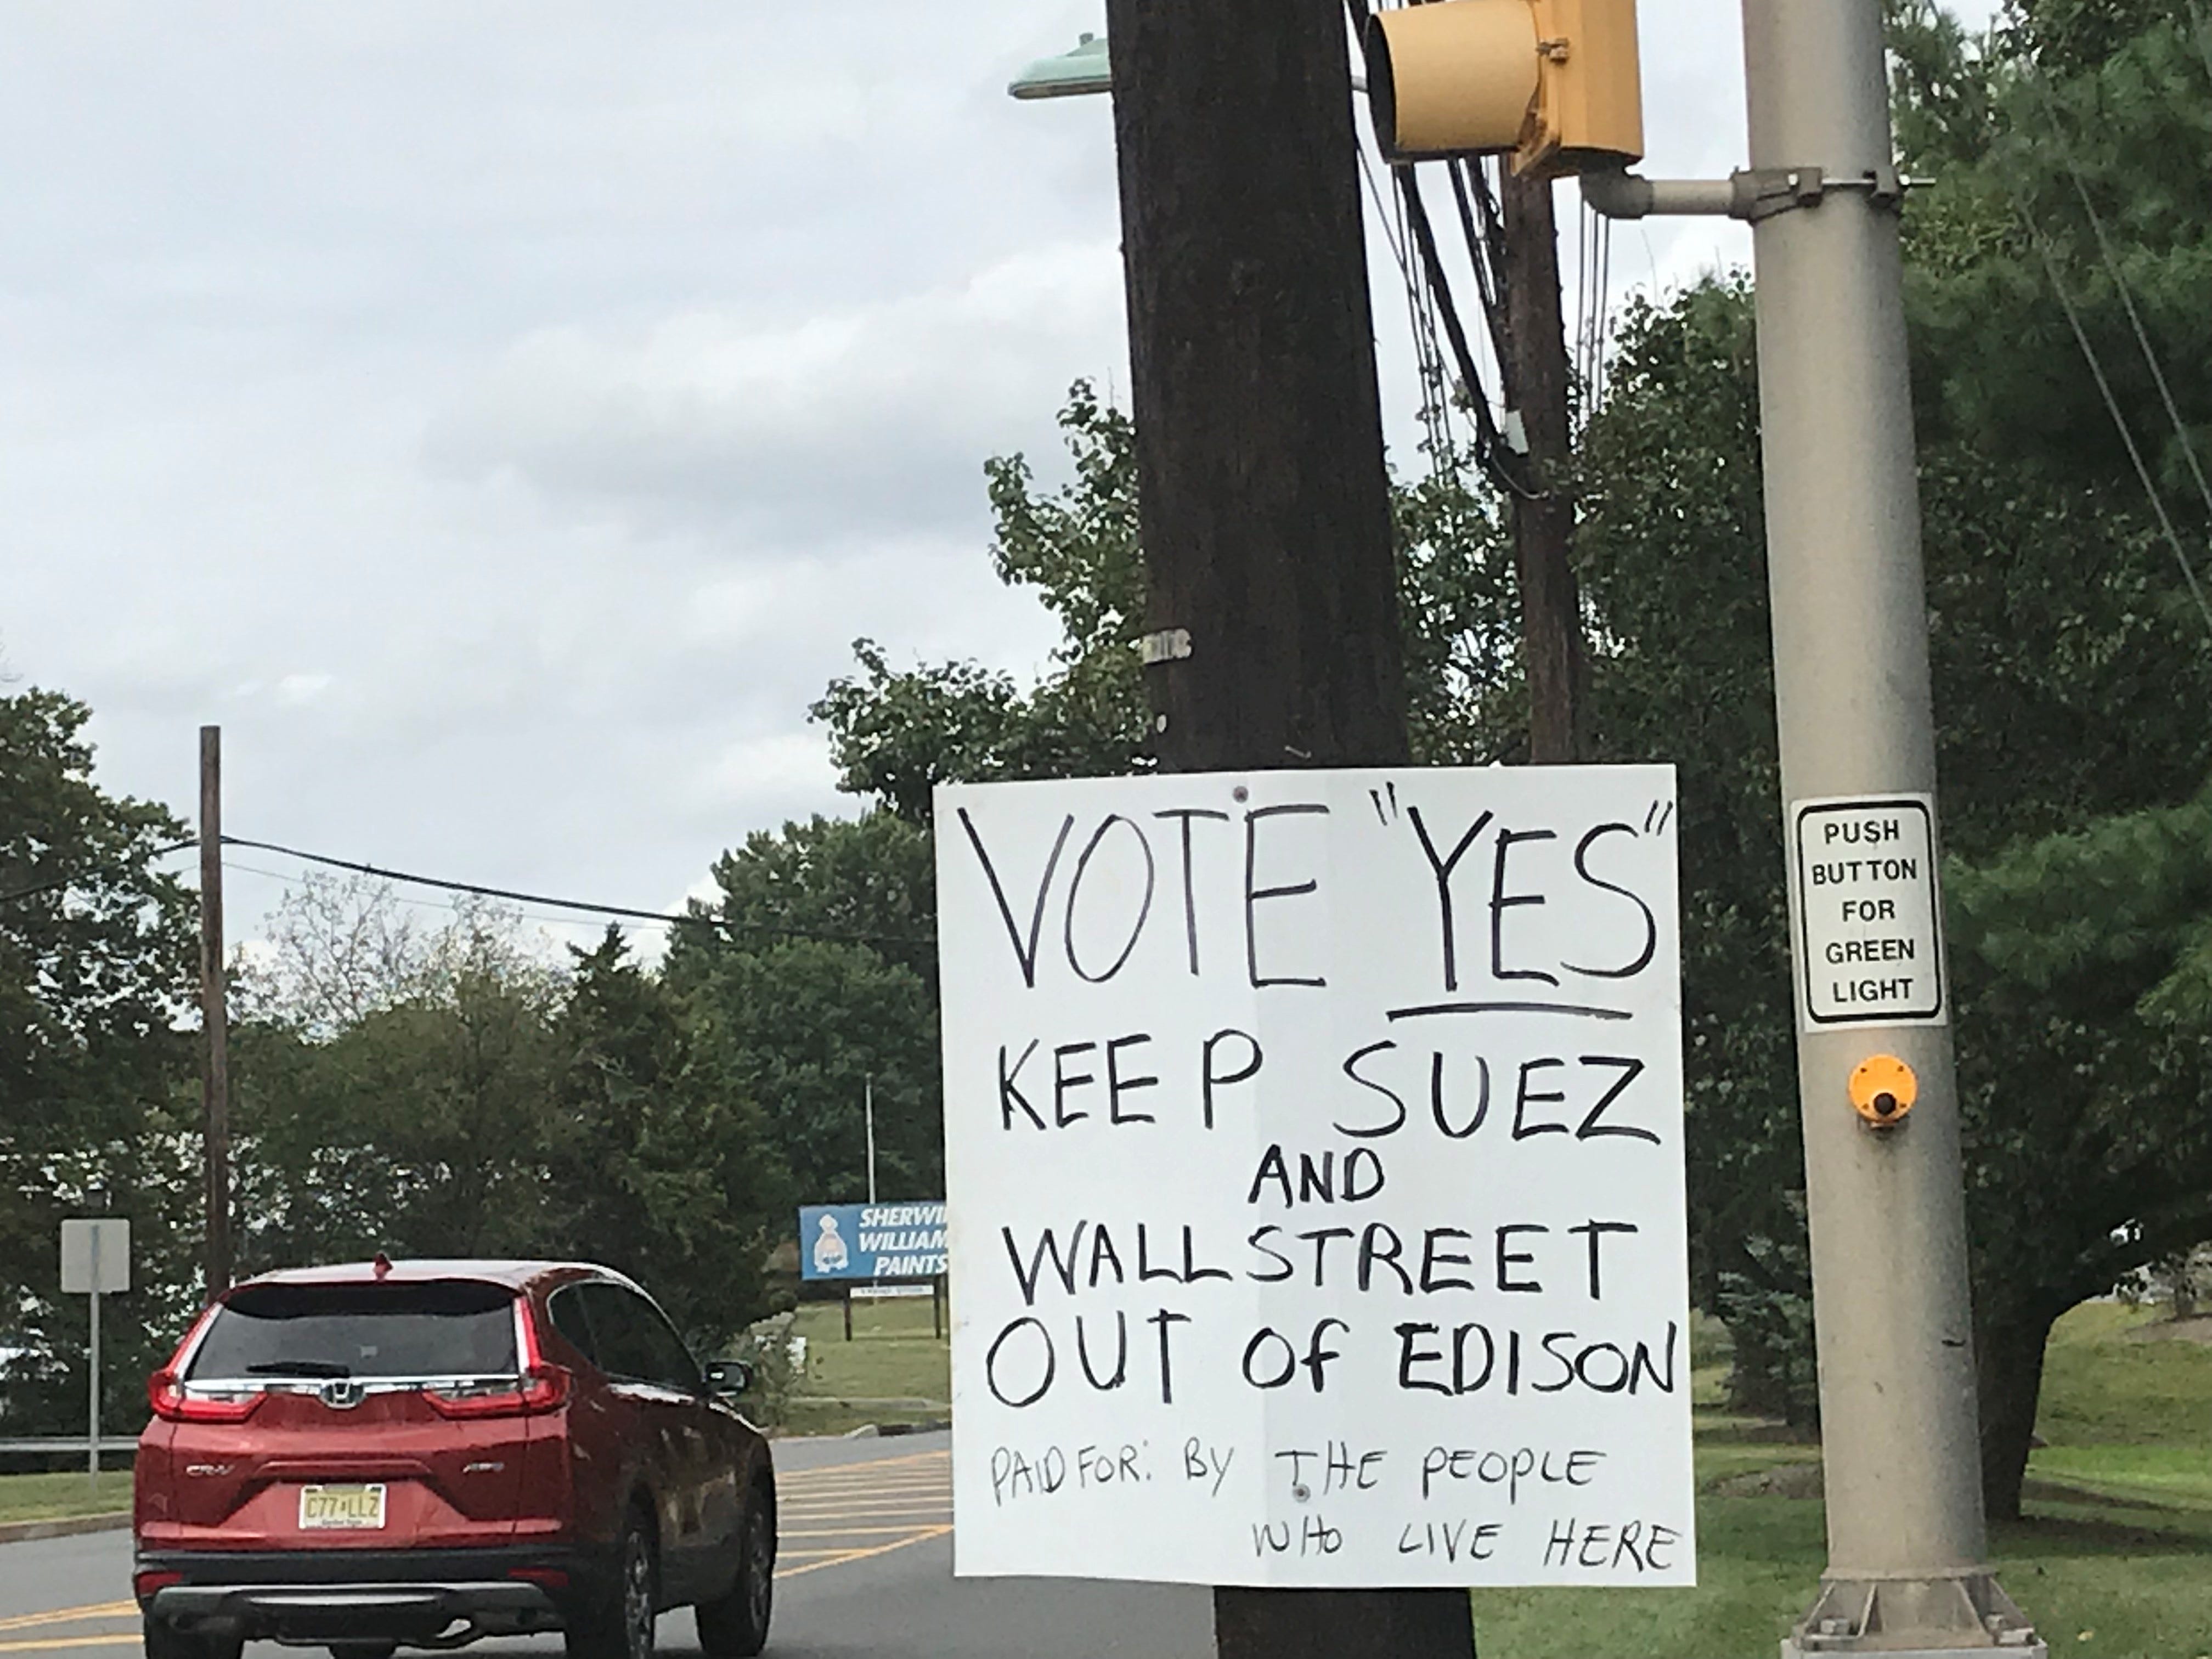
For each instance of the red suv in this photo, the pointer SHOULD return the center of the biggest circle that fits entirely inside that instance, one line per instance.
(422, 1453)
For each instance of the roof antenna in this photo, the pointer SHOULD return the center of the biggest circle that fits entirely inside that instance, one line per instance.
(381, 1266)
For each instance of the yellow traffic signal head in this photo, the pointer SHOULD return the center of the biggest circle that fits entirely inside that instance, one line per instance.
(1554, 82)
(1452, 78)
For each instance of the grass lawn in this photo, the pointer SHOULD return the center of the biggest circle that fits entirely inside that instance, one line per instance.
(2114, 1558)
(53, 1497)
(892, 1356)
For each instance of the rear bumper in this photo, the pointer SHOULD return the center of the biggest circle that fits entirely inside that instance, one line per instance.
(444, 1597)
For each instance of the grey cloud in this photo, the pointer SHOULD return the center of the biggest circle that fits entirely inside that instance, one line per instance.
(860, 420)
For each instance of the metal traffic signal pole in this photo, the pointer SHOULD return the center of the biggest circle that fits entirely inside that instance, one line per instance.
(1908, 1570)
(1907, 1548)
(1266, 522)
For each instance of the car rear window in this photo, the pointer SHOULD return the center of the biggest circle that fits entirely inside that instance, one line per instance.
(434, 1327)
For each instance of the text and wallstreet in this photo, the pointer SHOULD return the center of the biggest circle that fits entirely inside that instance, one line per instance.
(1313, 1156)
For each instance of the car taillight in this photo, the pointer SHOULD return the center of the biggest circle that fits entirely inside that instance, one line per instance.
(547, 1577)
(544, 1388)
(167, 1395)
(145, 1584)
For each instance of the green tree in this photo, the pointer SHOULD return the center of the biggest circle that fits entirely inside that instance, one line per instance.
(652, 1170)
(98, 1102)
(812, 979)
(451, 1094)
(868, 881)
(419, 1127)
(2064, 642)
(2089, 1124)
(2067, 652)
(895, 733)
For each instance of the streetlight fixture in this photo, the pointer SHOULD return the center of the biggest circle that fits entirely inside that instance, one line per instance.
(1071, 74)
(1083, 71)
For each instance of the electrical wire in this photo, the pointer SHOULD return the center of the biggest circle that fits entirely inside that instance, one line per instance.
(1436, 378)
(2112, 407)
(1486, 247)
(1489, 448)
(1428, 356)
(699, 917)
(448, 906)
(2111, 263)
(61, 882)
(1486, 254)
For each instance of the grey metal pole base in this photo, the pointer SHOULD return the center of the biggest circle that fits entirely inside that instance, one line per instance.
(1931, 1617)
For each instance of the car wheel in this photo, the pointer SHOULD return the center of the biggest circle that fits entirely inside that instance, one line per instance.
(165, 1641)
(622, 1626)
(736, 1626)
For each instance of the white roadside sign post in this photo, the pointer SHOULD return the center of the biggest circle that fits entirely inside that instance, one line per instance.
(95, 1262)
(1314, 1153)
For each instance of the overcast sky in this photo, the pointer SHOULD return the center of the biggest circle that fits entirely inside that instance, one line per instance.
(501, 416)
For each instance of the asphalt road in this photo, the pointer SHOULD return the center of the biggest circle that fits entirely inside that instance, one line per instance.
(865, 1567)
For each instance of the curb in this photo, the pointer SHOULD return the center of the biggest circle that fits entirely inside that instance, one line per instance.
(24, 1532)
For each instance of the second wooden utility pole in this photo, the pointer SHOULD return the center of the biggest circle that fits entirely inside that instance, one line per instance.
(1552, 653)
(1266, 520)
(215, 1018)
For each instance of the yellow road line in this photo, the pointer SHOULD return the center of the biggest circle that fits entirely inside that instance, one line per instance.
(860, 1518)
(877, 1463)
(920, 1481)
(862, 1555)
(857, 1532)
(68, 1615)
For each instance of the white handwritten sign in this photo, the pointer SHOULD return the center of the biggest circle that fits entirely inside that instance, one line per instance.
(1314, 1148)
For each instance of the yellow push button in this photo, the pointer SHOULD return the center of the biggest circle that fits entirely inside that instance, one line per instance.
(1883, 1089)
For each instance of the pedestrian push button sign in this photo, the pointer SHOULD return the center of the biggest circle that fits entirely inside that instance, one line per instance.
(1869, 942)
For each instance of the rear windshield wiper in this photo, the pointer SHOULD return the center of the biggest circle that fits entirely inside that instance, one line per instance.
(299, 1368)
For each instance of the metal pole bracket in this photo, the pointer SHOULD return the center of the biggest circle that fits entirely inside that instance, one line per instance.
(1762, 193)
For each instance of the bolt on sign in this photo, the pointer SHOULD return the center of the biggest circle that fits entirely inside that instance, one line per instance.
(1314, 1148)
(1867, 912)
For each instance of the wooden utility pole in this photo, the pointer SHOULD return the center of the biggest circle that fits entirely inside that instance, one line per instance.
(1271, 584)
(1552, 657)
(215, 1018)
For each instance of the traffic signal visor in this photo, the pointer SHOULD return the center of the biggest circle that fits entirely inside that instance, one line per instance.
(1557, 82)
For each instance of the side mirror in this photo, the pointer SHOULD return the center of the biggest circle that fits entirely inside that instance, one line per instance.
(728, 1376)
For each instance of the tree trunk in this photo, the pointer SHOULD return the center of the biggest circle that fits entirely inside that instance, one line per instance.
(2008, 1359)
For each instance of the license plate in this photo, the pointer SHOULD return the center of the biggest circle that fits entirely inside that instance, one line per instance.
(340, 1509)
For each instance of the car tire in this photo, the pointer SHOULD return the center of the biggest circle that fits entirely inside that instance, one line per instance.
(736, 1626)
(165, 1641)
(620, 1624)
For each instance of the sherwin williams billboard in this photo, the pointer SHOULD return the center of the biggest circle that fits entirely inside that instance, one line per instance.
(872, 1241)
